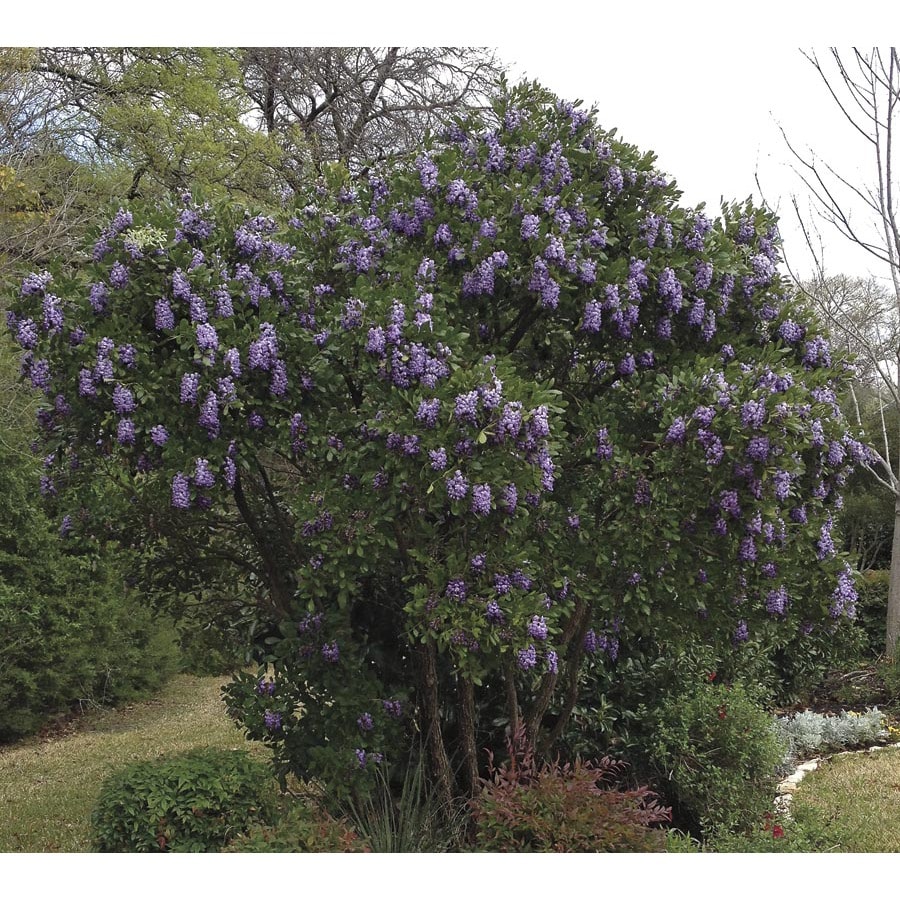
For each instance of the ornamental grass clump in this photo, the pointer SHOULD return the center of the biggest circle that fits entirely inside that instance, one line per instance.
(424, 426)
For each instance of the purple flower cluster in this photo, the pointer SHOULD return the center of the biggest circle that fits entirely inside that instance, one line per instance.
(181, 495)
(481, 499)
(844, 596)
(527, 659)
(777, 601)
(604, 445)
(165, 318)
(263, 351)
(493, 614)
(428, 412)
(456, 590)
(365, 722)
(537, 628)
(670, 291)
(758, 449)
(190, 385)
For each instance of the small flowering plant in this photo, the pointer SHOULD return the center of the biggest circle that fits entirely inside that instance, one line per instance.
(451, 432)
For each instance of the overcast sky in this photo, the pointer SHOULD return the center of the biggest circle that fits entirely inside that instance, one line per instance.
(713, 119)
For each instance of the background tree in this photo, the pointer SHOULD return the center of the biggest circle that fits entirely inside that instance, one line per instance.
(360, 105)
(173, 118)
(865, 85)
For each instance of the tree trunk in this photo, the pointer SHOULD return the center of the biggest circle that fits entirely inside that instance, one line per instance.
(893, 606)
(429, 700)
(467, 733)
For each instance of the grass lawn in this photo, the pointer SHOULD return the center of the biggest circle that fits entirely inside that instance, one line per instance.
(48, 788)
(858, 796)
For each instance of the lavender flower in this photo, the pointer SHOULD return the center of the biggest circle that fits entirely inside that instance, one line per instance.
(125, 432)
(527, 659)
(203, 477)
(670, 290)
(165, 318)
(457, 486)
(456, 590)
(677, 431)
(123, 400)
(494, 614)
(509, 498)
(466, 408)
(537, 628)
(481, 499)
(844, 596)
(181, 497)
(758, 449)
(190, 384)
(777, 601)
(118, 276)
(428, 412)
(552, 662)
(365, 722)
(207, 338)
(604, 445)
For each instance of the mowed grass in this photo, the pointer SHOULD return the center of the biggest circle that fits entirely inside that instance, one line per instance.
(858, 796)
(48, 788)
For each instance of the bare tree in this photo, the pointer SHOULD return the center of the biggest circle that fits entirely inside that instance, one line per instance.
(362, 104)
(46, 197)
(864, 314)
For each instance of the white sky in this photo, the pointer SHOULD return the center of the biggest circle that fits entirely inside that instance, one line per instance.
(712, 118)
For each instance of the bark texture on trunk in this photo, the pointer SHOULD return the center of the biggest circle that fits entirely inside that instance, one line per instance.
(467, 734)
(893, 607)
(429, 696)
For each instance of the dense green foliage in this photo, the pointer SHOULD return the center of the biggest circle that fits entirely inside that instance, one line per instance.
(194, 802)
(716, 753)
(71, 631)
(419, 434)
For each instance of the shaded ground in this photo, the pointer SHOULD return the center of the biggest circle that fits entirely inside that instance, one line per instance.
(49, 783)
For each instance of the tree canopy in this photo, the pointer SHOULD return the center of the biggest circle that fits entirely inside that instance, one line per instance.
(461, 427)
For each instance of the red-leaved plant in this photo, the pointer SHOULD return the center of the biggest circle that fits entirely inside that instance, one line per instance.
(560, 807)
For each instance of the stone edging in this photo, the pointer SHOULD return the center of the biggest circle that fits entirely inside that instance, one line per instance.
(786, 787)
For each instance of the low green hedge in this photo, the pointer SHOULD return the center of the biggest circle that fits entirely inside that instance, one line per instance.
(193, 802)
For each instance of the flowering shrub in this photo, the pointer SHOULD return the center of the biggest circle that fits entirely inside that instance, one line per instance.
(525, 806)
(428, 424)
